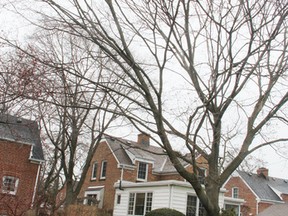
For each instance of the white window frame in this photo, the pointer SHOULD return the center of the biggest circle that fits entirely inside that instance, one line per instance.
(99, 190)
(145, 202)
(102, 166)
(197, 203)
(4, 190)
(233, 192)
(146, 171)
(93, 167)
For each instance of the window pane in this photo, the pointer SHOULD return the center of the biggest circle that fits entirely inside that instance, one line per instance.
(104, 167)
(235, 192)
(94, 170)
(191, 206)
(9, 184)
(142, 169)
(148, 202)
(234, 207)
(202, 211)
(140, 204)
(91, 199)
(131, 204)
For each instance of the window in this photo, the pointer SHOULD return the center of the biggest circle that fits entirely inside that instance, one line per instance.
(235, 192)
(194, 207)
(10, 184)
(236, 208)
(103, 169)
(94, 171)
(91, 199)
(201, 175)
(118, 199)
(140, 203)
(142, 171)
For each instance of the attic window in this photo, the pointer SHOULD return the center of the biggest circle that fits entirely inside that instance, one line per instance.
(142, 171)
(10, 184)
(235, 192)
(103, 170)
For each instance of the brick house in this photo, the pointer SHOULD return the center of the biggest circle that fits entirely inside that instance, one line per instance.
(132, 178)
(258, 190)
(21, 156)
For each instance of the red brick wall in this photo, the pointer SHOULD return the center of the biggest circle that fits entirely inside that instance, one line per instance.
(262, 206)
(14, 161)
(249, 208)
(112, 175)
(285, 197)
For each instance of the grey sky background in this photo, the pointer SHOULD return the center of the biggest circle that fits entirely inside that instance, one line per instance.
(15, 27)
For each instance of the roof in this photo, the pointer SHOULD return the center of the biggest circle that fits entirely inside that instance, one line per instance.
(266, 188)
(275, 210)
(127, 152)
(22, 131)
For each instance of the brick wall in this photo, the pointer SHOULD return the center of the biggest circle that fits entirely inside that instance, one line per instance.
(249, 208)
(112, 175)
(14, 161)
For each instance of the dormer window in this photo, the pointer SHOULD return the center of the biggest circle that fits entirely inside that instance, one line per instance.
(201, 175)
(103, 170)
(142, 171)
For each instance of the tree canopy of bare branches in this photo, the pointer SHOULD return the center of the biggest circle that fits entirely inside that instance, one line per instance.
(203, 75)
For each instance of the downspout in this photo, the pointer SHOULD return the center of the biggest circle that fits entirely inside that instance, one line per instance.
(121, 179)
(257, 206)
(36, 184)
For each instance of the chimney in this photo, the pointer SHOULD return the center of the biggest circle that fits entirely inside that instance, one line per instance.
(143, 139)
(264, 171)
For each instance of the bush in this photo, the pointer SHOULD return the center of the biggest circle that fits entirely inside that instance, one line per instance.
(164, 212)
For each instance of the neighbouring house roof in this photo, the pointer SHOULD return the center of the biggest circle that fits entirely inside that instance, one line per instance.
(127, 152)
(275, 210)
(265, 187)
(22, 131)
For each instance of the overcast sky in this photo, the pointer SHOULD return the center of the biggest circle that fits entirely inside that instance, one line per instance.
(16, 27)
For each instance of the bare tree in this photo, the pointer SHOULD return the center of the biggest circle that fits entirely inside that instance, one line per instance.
(209, 74)
(52, 74)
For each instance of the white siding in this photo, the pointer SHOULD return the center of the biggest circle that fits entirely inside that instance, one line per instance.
(164, 196)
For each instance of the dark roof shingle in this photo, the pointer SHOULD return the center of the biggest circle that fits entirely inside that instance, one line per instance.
(22, 131)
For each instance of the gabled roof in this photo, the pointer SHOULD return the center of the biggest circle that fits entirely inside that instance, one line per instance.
(127, 152)
(22, 131)
(275, 210)
(266, 188)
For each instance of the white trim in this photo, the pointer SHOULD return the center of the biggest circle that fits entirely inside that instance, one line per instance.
(36, 185)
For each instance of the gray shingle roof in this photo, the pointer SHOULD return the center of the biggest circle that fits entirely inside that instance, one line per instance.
(266, 188)
(23, 131)
(125, 151)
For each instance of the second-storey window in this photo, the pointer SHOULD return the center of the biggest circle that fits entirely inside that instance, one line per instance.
(103, 170)
(142, 171)
(235, 192)
(10, 184)
(94, 171)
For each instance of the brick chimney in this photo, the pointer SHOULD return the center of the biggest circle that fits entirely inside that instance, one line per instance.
(264, 171)
(143, 139)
